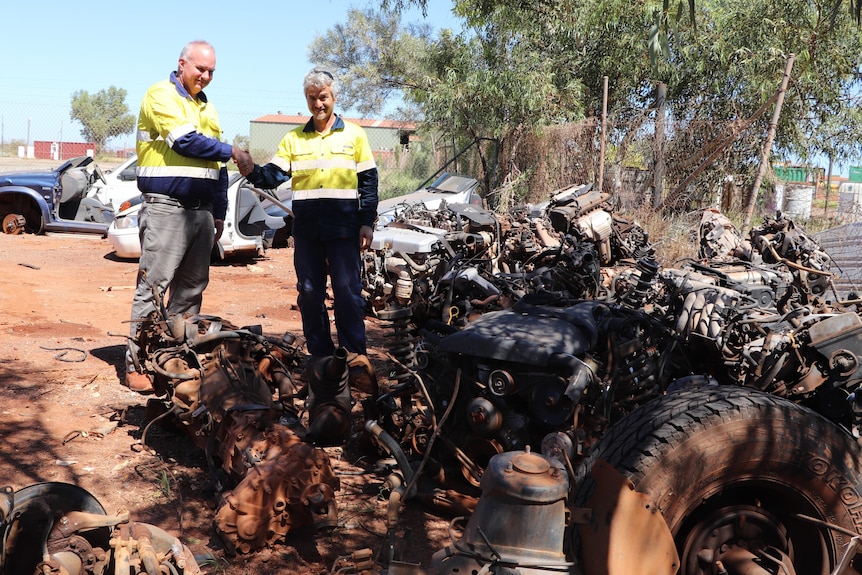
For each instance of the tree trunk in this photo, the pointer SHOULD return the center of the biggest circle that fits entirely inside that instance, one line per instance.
(767, 147)
(658, 146)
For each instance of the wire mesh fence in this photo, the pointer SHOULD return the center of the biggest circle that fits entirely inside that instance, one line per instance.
(528, 165)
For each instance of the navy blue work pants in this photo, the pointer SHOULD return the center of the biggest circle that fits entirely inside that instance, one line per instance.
(314, 260)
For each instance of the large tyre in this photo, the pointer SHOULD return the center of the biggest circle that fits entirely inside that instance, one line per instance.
(734, 469)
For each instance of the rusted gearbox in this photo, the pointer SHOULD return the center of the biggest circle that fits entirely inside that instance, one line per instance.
(295, 488)
(233, 394)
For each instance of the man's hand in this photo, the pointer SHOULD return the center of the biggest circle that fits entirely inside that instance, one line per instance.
(243, 160)
(366, 234)
(219, 230)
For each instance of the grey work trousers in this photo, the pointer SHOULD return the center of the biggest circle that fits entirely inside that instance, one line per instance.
(176, 246)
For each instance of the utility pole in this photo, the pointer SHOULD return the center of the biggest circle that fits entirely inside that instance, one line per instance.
(828, 188)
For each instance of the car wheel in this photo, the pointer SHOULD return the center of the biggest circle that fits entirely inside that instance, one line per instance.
(736, 472)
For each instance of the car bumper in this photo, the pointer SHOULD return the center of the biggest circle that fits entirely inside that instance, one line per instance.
(125, 242)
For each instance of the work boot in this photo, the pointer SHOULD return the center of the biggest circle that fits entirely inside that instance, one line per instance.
(140, 382)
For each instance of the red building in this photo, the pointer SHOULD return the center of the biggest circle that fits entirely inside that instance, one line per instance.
(45, 150)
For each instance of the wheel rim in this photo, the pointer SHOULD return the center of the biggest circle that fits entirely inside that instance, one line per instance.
(741, 520)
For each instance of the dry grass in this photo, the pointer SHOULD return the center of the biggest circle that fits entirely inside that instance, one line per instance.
(675, 236)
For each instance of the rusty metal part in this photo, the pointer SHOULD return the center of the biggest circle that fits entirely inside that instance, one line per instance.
(360, 562)
(295, 489)
(60, 529)
(626, 535)
(449, 501)
(14, 224)
(519, 520)
(152, 548)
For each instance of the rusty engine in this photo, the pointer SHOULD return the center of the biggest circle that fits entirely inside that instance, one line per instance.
(232, 391)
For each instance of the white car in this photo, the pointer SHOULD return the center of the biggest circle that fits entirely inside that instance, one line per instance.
(120, 184)
(245, 227)
(453, 188)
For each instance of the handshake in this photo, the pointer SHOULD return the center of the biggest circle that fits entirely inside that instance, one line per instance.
(243, 160)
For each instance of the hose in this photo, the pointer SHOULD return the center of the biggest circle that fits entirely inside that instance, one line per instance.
(393, 448)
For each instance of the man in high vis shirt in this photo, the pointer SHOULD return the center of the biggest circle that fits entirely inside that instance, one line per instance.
(334, 206)
(183, 178)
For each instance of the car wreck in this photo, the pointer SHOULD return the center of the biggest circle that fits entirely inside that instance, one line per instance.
(64, 199)
(572, 403)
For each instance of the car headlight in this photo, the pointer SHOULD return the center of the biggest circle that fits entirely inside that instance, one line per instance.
(125, 222)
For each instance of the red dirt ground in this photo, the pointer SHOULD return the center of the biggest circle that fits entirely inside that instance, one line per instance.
(66, 417)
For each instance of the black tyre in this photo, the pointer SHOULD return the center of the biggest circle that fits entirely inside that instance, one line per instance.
(736, 469)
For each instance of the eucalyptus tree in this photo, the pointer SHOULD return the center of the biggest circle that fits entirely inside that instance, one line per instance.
(491, 83)
(519, 65)
(376, 56)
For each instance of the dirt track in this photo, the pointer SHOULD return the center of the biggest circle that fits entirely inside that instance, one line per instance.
(65, 301)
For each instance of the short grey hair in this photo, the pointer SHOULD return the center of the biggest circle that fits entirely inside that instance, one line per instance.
(320, 78)
(187, 49)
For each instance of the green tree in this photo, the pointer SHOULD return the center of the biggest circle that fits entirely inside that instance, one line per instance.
(103, 115)
(519, 65)
(376, 58)
(493, 84)
(719, 73)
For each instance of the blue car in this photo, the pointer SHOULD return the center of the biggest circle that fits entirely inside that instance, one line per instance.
(58, 200)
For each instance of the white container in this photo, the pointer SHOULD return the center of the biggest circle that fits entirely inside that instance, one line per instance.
(797, 201)
(850, 202)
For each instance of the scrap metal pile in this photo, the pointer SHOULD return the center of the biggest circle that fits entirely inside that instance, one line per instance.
(562, 322)
(560, 386)
(546, 331)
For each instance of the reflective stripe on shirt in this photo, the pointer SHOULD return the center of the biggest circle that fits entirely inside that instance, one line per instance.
(177, 172)
(325, 164)
(325, 193)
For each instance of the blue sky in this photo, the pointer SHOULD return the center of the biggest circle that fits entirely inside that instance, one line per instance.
(52, 49)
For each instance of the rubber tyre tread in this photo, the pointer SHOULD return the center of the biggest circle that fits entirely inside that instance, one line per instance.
(670, 430)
